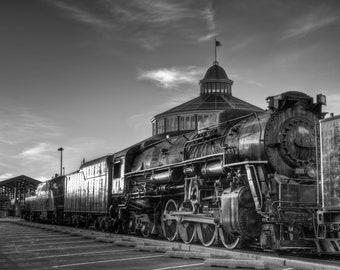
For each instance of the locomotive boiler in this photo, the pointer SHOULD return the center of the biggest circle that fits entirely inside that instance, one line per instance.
(247, 180)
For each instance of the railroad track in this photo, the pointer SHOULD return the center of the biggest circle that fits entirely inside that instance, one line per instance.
(212, 256)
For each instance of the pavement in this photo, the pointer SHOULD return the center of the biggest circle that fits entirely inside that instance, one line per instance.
(23, 238)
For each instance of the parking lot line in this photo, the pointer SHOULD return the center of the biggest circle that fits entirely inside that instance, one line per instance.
(179, 266)
(83, 253)
(106, 261)
(60, 237)
(49, 249)
(51, 243)
(14, 236)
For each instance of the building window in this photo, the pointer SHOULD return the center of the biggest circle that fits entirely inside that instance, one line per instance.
(173, 124)
(154, 130)
(166, 127)
(181, 123)
(160, 126)
(193, 122)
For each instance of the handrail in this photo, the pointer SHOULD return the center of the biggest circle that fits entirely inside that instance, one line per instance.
(258, 184)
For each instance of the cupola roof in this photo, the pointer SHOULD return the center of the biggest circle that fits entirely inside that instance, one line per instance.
(215, 72)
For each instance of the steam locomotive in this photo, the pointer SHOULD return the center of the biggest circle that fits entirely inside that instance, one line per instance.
(249, 180)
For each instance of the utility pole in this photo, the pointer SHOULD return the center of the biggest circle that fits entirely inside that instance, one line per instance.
(61, 160)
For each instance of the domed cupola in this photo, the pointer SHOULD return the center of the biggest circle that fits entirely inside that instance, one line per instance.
(215, 102)
(216, 81)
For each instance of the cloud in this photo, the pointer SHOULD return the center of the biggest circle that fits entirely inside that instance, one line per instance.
(18, 125)
(37, 151)
(139, 121)
(308, 24)
(155, 12)
(6, 176)
(147, 23)
(207, 37)
(209, 15)
(333, 101)
(170, 78)
(82, 14)
(255, 83)
(27, 139)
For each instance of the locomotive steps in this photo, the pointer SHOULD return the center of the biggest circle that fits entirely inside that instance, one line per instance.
(212, 256)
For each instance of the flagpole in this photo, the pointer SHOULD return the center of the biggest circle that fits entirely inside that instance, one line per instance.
(215, 53)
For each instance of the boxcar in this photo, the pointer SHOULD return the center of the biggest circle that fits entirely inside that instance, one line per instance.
(88, 192)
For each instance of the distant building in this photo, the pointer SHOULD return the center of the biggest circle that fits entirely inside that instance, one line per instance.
(215, 97)
(13, 193)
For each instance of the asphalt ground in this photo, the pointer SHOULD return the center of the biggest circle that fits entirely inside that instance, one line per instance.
(33, 248)
(30, 248)
(42, 246)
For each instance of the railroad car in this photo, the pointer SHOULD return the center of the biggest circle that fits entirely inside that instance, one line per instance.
(328, 215)
(249, 180)
(48, 202)
(88, 193)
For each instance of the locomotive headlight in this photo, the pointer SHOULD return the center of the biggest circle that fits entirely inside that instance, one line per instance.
(311, 171)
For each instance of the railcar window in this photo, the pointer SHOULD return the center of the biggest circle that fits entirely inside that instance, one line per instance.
(116, 170)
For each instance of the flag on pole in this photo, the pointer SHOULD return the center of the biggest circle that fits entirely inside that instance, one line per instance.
(217, 44)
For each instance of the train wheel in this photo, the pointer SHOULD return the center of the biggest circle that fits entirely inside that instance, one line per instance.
(229, 240)
(103, 226)
(187, 230)
(207, 233)
(145, 230)
(169, 223)
(117, 228)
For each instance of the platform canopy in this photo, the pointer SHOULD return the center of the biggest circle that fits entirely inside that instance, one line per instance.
(18, 188)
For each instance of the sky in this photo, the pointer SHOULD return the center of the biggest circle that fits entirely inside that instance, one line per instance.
(89, 76)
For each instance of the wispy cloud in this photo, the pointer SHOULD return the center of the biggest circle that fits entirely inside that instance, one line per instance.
(19, 125)
(255, 83)
(5, 176)
(174, 79)
(83, 14)
(209, 15)
(147, 22)
(309, 24)
(241, 79)
(138, 121)
(170, 78)
(27, 139)
(175, 98)
(333, 101)
(38, 152)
